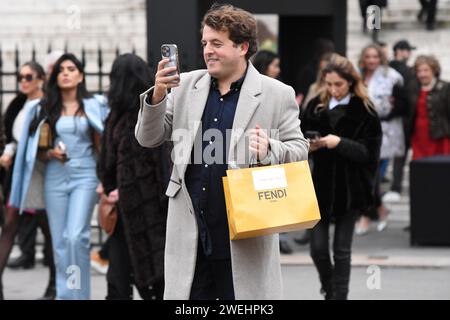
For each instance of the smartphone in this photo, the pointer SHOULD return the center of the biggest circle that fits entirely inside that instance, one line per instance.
(62, 146)
(170, 51)
(313, 135)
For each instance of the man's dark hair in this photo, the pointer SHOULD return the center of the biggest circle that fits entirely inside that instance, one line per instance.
(240, 24)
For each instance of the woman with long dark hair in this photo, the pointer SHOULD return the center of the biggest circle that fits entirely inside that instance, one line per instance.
(74, 118)
(267, 63)
(134, 178)
(31, 79)
(345, 164)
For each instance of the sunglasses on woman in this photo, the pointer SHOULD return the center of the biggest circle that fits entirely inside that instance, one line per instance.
(27, 77)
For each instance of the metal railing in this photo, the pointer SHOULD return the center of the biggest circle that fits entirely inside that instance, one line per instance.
(14, 73)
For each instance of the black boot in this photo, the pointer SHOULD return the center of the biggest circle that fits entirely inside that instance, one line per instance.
(327, 291)
(285, 248)
(50, 292)
(421, 15)
(304, 239)
(21, 262)
(340, 294)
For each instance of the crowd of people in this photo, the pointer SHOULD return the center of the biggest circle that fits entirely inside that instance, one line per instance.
(62, 148)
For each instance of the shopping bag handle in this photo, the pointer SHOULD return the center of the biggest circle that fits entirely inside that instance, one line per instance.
(252, 163)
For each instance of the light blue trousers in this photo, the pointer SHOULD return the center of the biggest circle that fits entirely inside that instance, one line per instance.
(70, 199)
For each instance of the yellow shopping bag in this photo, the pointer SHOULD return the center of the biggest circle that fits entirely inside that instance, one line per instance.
(273, 199)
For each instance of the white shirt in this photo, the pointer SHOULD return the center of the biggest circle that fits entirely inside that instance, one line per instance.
(334, 102)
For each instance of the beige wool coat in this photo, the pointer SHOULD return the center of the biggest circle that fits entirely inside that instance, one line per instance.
(264, 101)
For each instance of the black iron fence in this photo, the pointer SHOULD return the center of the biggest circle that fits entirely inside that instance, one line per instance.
(13, 74)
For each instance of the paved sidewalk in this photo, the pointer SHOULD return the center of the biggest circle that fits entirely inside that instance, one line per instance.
(388, 248)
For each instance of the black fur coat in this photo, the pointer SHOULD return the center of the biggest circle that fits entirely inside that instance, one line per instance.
(140, 174)
(344, 177)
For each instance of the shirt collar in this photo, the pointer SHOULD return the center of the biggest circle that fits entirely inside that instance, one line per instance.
(334, 102)
(235, 86)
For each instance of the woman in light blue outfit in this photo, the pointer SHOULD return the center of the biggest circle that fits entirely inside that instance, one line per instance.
(74, 119)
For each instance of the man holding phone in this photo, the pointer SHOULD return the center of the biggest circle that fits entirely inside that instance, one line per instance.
(229, 97)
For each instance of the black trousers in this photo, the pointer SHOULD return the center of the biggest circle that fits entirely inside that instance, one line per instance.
(119, 276)
(120, 271)
(399, 162)
(334, 277)
(28, 225)
(213, 279)
(397, 173)
(430, 8)
(27, 235)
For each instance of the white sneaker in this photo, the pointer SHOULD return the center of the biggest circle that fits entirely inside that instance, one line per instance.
(392, 196)
(361, 231)
(382, 225)
(98, 264)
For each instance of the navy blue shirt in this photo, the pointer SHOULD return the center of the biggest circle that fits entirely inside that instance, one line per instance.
(204, 181)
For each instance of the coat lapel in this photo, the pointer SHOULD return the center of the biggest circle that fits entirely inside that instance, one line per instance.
(197, 98)
(197, 102)
(247, 105)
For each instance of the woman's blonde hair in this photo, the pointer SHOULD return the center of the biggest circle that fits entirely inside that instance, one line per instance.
(345, 69)
(431, 61)
(381, 55)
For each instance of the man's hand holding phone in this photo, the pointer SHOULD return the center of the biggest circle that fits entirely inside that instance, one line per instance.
(163, 81)
(167, 76)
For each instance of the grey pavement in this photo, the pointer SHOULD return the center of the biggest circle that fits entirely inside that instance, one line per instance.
(300, 283)
(402, 271)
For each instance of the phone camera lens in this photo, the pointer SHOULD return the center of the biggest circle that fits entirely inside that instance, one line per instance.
(165, 51)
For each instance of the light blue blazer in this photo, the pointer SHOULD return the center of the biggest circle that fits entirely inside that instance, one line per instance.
(96, 109)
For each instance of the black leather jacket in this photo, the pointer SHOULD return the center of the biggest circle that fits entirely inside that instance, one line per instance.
(438, 105)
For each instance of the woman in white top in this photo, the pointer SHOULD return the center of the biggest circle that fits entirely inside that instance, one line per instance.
(31, 80)
(383, 83)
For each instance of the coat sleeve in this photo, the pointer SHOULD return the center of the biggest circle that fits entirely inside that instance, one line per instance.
(25, 149)
(447, 95)
(400, 105)
(289, 145)
(2, 134)
(107, 161)
(154, 124)
(306, 114)
(366, 148)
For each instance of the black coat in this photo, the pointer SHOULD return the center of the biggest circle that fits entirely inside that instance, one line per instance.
(6, 136)
(344, 177)
(141, 176)
(438, 107)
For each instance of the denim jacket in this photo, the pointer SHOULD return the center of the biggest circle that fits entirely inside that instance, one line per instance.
(96, 109)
